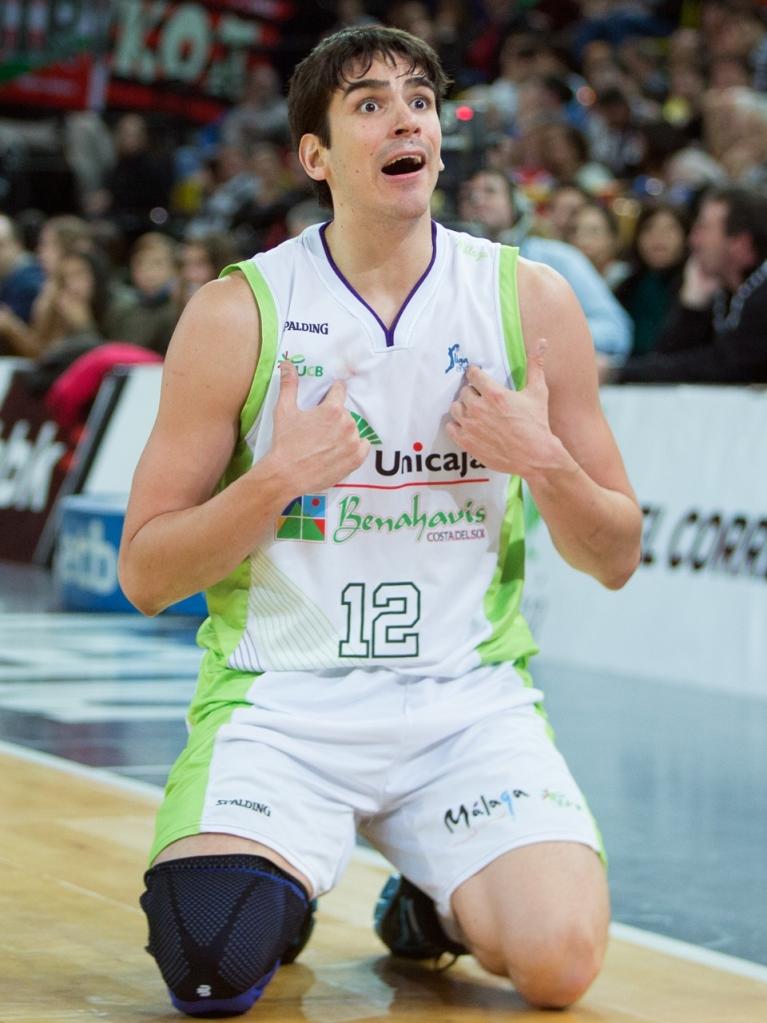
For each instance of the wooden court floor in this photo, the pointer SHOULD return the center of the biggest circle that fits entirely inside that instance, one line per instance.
(71, 947)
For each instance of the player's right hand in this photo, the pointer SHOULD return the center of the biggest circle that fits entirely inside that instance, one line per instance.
(320, 446)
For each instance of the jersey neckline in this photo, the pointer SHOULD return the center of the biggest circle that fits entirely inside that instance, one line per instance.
(329, 264)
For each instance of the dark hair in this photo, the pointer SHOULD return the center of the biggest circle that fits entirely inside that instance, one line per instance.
(650, 210)
(102, 280)
(746, 213)
(329, 64)
(607, 214)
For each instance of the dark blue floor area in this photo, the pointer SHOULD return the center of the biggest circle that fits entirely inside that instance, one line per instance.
(676, 779)
(674, 775)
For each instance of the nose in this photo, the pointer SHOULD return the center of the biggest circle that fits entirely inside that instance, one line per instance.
(406, 120)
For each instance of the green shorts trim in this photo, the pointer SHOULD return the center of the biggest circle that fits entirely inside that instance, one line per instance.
(220, 691)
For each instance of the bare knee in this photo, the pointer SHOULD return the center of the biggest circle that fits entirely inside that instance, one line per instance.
(551, 970)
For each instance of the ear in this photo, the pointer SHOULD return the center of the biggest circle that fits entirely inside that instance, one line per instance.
(311, 153)
(441, 164)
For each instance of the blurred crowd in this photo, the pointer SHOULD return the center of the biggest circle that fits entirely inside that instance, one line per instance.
(623, 144)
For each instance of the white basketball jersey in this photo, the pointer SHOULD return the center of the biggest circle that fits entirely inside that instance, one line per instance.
(415, 560)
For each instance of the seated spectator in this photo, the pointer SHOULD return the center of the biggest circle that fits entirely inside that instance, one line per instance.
(658, 255)
(261, 220)
(615, 140)
(595, 232)
(59, 235)
(303, 215)
(717, 330)
(228, 183)
(490, 207)
(21, 279)
(262, 116)
(559, 212)
(566, 158)
(72, 317)
(139, 181)
(201, 260)
(149, 320)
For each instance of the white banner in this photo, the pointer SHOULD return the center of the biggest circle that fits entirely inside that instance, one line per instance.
(696, 609)
(127, 432)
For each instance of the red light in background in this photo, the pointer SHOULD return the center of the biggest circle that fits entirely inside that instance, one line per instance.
(464, 113)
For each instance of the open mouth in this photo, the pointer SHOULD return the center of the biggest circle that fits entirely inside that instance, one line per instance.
(403, 165)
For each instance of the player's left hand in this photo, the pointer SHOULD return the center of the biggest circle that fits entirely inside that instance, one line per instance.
(508, 431)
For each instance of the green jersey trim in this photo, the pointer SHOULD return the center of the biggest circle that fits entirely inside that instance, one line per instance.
(510, 639)
(269, 336)
(228, 599)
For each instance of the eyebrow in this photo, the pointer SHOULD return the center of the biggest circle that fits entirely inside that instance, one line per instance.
(419, 81)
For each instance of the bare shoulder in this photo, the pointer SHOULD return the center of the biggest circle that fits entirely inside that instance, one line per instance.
(550, 309)
(545, 297)
(218, 338)
(207, 374)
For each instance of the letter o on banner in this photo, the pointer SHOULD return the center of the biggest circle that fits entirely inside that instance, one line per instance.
(185, 43)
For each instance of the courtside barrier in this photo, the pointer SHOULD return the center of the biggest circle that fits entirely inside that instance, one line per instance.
(85, 563)
(695, 612)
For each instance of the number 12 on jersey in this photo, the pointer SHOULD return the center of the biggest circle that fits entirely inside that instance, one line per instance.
(377, 622)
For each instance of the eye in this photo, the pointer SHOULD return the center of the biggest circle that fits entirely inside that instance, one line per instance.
(369, 106)
(421, 102)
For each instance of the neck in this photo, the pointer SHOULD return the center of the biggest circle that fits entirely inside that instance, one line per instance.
(391, 255)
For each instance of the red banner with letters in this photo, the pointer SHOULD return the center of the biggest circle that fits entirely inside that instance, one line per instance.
(53, 53)
(186, 58)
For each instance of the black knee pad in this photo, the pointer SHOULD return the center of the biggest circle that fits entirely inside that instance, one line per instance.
(218, 927)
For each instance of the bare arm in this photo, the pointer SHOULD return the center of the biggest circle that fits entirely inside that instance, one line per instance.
(17, 334)
(553, 433)
(180, 536)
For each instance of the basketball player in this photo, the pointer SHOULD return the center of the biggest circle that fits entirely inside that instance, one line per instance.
(344, 426)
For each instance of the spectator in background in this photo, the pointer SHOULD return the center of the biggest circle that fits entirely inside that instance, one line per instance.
(350, 14)
(614, 137)
(566, 158)
(596, 233)
(89, 150)
(21, 279)
(682, 106)
(516, 65)
(717, 330)
(149, 320)
(491, 207)
(262, 116)
(303, 215)
(72, 318)
(201, 260)
(138, 183)
(658, 255)
(260, 222)
(228, 183)
(563, 203)
(59, 235)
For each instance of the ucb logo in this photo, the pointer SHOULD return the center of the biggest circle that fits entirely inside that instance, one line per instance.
(302, 366)
(87, 560)
(26, 466)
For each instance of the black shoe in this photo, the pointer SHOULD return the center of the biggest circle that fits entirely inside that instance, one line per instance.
(406, 921)
(295, 947)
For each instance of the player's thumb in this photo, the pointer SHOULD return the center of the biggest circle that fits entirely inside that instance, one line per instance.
(287, 400)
